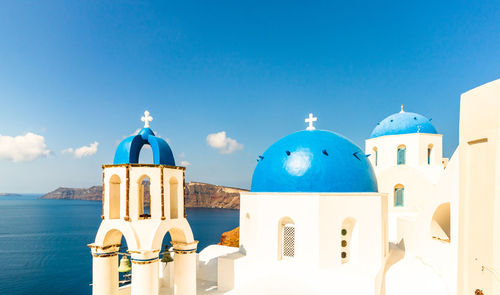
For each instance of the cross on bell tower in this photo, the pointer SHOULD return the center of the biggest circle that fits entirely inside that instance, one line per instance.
(310, 120)
(146, 119)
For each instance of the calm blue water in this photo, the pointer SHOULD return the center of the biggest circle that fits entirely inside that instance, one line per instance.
(31, 230)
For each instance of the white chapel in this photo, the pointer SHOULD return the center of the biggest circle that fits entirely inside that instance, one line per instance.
(323, 216)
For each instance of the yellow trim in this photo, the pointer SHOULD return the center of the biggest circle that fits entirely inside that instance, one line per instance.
(127, 183)
(145, 262)
(94, 246)
(162, 196)
(184, 252)
(143, 165)
(103, 255)
(102, 216)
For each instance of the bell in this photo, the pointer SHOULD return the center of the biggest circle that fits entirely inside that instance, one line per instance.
(124, 264)
(167, 257)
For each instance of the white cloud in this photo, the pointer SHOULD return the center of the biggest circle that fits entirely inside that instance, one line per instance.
(83, 151)
(67, 151)
(26, 147)
(182, 155)
(185, 163)
(223, 143)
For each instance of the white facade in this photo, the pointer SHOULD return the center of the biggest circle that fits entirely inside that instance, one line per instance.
(424, 165)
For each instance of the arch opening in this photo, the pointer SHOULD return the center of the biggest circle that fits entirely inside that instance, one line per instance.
(146, 155)
(440, 223)
(174, 198)
(121, 267)
(349, 241)
(286, 238)
(144, 197)
(401, 155)
(114, 197)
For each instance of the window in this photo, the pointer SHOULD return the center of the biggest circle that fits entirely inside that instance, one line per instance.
(144, 197)
(114, 197)
(174, 210)
(401, 155)
(399, 193)
(429, 154)
(375, 153)
(289, 240)
(286, 238)
(348, 240)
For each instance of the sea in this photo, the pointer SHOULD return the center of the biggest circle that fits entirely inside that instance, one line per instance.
(43, 243)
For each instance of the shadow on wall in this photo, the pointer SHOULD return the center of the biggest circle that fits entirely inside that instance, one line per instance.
(440, 223)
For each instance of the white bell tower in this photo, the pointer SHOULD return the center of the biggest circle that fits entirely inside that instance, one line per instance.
(142, 203)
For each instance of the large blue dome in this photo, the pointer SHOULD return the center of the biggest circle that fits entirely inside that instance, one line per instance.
(403, 123)
(128, 150)
(314, 161)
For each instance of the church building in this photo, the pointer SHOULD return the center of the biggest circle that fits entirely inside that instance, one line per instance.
(323, 216)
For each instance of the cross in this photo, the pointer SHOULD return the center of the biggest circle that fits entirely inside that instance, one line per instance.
(146, 119)
(402, 110)
(310, 120)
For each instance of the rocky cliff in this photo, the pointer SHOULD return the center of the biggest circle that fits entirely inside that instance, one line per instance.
(204, 195)
(197, 194)
(93, 193)
(231, 238)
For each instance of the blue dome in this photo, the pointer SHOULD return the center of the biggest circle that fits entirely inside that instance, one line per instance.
(314, 161)
(128, 150)
(403, 123)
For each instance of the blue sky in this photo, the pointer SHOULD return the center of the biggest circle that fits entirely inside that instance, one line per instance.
(73, 73)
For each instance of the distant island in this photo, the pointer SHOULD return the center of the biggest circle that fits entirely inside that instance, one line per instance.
(197, 195)
(9, 194)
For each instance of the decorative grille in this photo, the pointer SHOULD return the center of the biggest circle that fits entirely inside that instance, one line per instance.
(288, 241)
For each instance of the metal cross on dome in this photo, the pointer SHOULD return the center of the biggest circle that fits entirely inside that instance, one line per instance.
(146, 119)
(310, 120)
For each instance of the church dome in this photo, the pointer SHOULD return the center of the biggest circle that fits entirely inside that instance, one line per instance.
(314, 161)
(403, 123)
(128, 150)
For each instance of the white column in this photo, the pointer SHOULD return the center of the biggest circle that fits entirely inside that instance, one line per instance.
(144, 275)
(185, 268)
(105, 273)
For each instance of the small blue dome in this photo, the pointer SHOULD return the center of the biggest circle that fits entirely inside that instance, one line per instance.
(128, 150)
(314, 161)
(403, 123)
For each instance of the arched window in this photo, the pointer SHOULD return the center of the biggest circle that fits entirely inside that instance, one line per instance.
(399, 195)
(114, 197)
(349, 240)
(375, 156)
(440, 223)
(429, 153)
(144, 197)
(286, 238)
(174, 210)
(401, 155)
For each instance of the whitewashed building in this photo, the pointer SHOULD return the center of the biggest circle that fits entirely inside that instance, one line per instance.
(325, 217)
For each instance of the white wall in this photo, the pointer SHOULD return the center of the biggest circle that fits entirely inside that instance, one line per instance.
(479, 240)
(416, 149)
(415, 231)
(318, 222)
